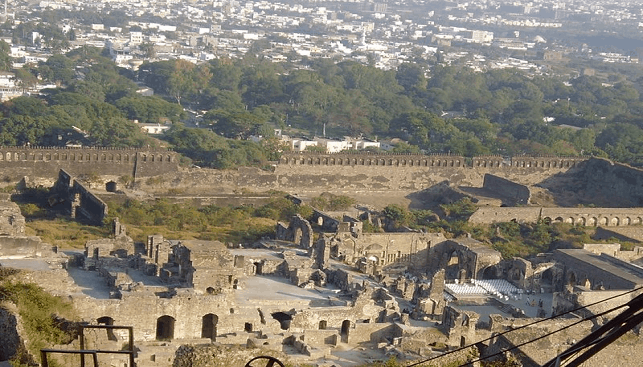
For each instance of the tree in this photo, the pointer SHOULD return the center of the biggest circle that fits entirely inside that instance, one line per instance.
(148, 50)
(5, 59)
(62, 69)
(411, 77)
(26, 78)
(398, 215)
(238, 125)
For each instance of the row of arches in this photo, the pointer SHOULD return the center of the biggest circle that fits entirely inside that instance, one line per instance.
(430, 161)
(165, 326)
(544, 164)
(82, 157)
(331, 161)
(486, 163)
(592, 221)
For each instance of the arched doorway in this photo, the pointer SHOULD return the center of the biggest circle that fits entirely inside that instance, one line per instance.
(165, 328)
(283, 318)
(111, 186)
(571, 279)
(490, 272)
(346, 324)
(297, 235)
(209, 326)
(106, 320)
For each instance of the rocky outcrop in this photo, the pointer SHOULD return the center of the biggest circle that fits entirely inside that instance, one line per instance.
(219, 356)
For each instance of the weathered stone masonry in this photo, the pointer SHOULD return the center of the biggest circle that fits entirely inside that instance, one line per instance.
(43, 161)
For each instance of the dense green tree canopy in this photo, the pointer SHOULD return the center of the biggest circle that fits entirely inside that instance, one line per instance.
(441, 109)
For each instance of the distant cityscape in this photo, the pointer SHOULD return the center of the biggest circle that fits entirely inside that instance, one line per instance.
(481, 34)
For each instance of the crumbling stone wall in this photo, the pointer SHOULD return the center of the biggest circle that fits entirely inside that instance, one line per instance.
(393, 248)
(325, 221)
(21, 247)
(463, 259)
(10, 340)
(298, 231)
(512, 193)
(12, 222)
(91, 207)
(205, 266)
(78, 200)
(584, 268)
(459, 326)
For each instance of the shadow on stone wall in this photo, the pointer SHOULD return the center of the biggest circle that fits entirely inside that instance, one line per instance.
(597, 181)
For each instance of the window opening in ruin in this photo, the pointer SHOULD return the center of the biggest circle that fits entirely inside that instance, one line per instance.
(283, 318)
(247, 327)
(210, 290)
(463, 341)
(231, 311)
(323, 324)
(209, 326)
(235, 284)
(346, 324)
(111, 186)
(165, 328)
(297, 235)
(547, 277)
(106, 320)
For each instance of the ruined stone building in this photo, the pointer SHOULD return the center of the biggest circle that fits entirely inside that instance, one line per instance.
(327, 285)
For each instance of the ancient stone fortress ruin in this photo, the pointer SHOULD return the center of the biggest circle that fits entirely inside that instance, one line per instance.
(325, 292)
(315, 295)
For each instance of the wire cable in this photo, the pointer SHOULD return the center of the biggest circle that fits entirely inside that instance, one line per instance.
(546, 335)
(524, 326)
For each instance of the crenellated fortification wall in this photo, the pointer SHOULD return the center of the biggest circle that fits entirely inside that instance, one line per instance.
(438, 161)
(47, 161)
(366, 172)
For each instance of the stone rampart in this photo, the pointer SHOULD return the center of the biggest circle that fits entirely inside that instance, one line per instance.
(363, 173)
(612, 217)
(47, 161)
(439, 161)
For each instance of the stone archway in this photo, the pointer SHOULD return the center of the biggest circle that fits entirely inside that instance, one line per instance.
(490, 272)
(344, 331)
(111, 186)
(209, 326)
(323, 324)
(108, 321)
(283, 318)
(165, 328)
